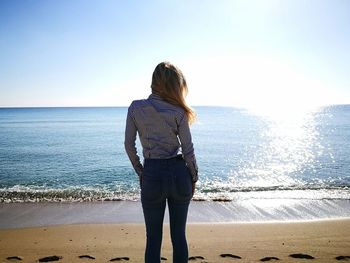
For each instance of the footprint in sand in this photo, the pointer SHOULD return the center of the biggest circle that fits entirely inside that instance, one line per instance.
(87, 256)
(229, 256)
(303, 256)
(345, 258)
(50, 258)
(120, 259)
(14, 258)
(195, 258)
(269, 258)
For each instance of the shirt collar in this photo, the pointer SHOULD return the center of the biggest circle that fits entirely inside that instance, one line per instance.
(155, 97)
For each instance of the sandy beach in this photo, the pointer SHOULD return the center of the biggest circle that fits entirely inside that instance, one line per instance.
(324, 241)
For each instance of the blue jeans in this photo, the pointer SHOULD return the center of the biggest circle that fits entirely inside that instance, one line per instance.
(166, 180)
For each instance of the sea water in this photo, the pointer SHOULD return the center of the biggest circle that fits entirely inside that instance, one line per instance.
(77, 154)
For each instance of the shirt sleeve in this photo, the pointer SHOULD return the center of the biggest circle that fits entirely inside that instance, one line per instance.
(130, 142)
(187, 147)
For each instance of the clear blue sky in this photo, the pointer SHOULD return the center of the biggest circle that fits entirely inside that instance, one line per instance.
(237, 53)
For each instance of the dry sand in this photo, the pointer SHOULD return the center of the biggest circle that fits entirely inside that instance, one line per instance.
(324, 240)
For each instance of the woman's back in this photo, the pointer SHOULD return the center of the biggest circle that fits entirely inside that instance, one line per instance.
(157, 123)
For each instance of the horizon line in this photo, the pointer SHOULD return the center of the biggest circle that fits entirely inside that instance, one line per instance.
(125, 106)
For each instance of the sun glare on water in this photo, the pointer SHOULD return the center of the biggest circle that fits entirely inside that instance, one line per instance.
(289, 147)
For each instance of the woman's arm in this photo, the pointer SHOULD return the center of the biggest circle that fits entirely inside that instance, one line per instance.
(130, 142)
(187, 148)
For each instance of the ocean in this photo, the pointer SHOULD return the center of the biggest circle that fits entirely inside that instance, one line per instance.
(77, 155)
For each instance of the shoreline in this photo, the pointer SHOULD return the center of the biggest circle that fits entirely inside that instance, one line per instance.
(324, 241)
(23, 215)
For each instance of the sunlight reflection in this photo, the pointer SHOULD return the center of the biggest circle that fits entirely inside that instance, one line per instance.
(290, 145)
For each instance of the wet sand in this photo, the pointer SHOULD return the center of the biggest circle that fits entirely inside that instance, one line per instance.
(300, 241)
(19, 215)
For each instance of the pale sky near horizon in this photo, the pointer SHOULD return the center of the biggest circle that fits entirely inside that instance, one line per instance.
(247, 53)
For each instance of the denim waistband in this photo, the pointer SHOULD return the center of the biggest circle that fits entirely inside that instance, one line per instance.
(168, 160)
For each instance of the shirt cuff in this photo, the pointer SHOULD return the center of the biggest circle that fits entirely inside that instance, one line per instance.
(193, 170)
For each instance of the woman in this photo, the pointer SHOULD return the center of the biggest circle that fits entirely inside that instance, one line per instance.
(170, 171)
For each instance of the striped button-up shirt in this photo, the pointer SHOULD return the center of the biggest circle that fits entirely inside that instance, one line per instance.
(163, 130)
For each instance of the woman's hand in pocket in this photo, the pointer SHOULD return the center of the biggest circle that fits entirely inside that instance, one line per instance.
(140, 179)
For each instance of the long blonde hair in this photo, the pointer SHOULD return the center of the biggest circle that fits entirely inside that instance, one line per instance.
(170, 84)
